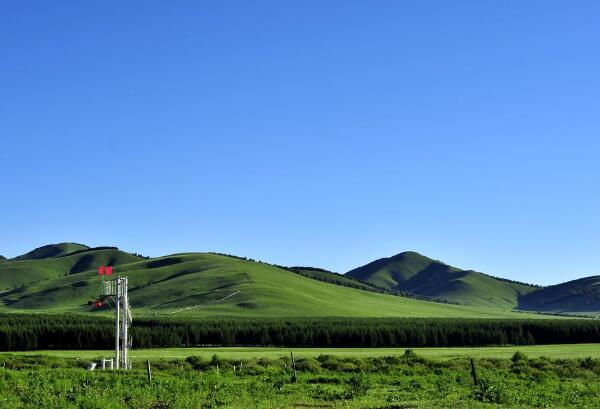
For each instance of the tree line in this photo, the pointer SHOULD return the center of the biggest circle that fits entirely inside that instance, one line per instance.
(49, 331)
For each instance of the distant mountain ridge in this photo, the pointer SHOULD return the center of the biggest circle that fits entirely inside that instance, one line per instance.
(35, 280)
(203, 284)
(411, 271)
(576, 296)
(418, 274)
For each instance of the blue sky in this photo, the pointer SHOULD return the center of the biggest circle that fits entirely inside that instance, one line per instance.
(306, 133)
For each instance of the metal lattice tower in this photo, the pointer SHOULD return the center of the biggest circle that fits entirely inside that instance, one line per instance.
(117, 290)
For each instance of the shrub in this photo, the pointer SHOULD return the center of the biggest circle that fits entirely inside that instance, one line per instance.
(330, 362)
(308, 365)
(590, 363)
(520, 364)
(215, 360)
(197, 362)
(490, 392)
(357, 385)
(278, 382)
(518, 357)
(265, 362)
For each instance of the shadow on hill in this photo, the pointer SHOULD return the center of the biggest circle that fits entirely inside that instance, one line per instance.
(163, 262)
(168, 278)
(432, 276)
(83, 264)
(582, 295)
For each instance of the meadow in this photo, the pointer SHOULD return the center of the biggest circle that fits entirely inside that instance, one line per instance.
(220, 332)
(563, 351)
(323, 379)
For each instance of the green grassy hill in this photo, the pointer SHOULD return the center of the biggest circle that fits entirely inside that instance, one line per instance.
(24, 271)
(330, 277)
(577, 296)
(415, 273)
(217, 285)
(52, 250)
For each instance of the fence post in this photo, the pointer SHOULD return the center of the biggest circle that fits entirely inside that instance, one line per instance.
(295, 378)
(149, 370)
(474, 372)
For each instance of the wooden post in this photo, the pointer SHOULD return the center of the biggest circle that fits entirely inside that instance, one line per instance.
(217, 369)
(474, 373)
(149, 370)
(295, 378)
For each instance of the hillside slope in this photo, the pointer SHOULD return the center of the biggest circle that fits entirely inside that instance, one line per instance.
(415, 273)
(577, 296)
(210, 284)
(18, 272)
(331, 277)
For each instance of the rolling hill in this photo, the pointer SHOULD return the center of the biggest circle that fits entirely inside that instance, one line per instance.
(52, 250)
(577, 296)
(39, 264)
(417, 274)
(205, 284)
(62, 277)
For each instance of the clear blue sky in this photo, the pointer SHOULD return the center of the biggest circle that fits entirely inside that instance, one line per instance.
(306, 133)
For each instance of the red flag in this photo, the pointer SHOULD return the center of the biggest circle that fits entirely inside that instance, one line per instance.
(100, 270)
(108, 270)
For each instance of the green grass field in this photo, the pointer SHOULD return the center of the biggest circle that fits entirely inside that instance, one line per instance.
(404, 381)
(564, 351)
